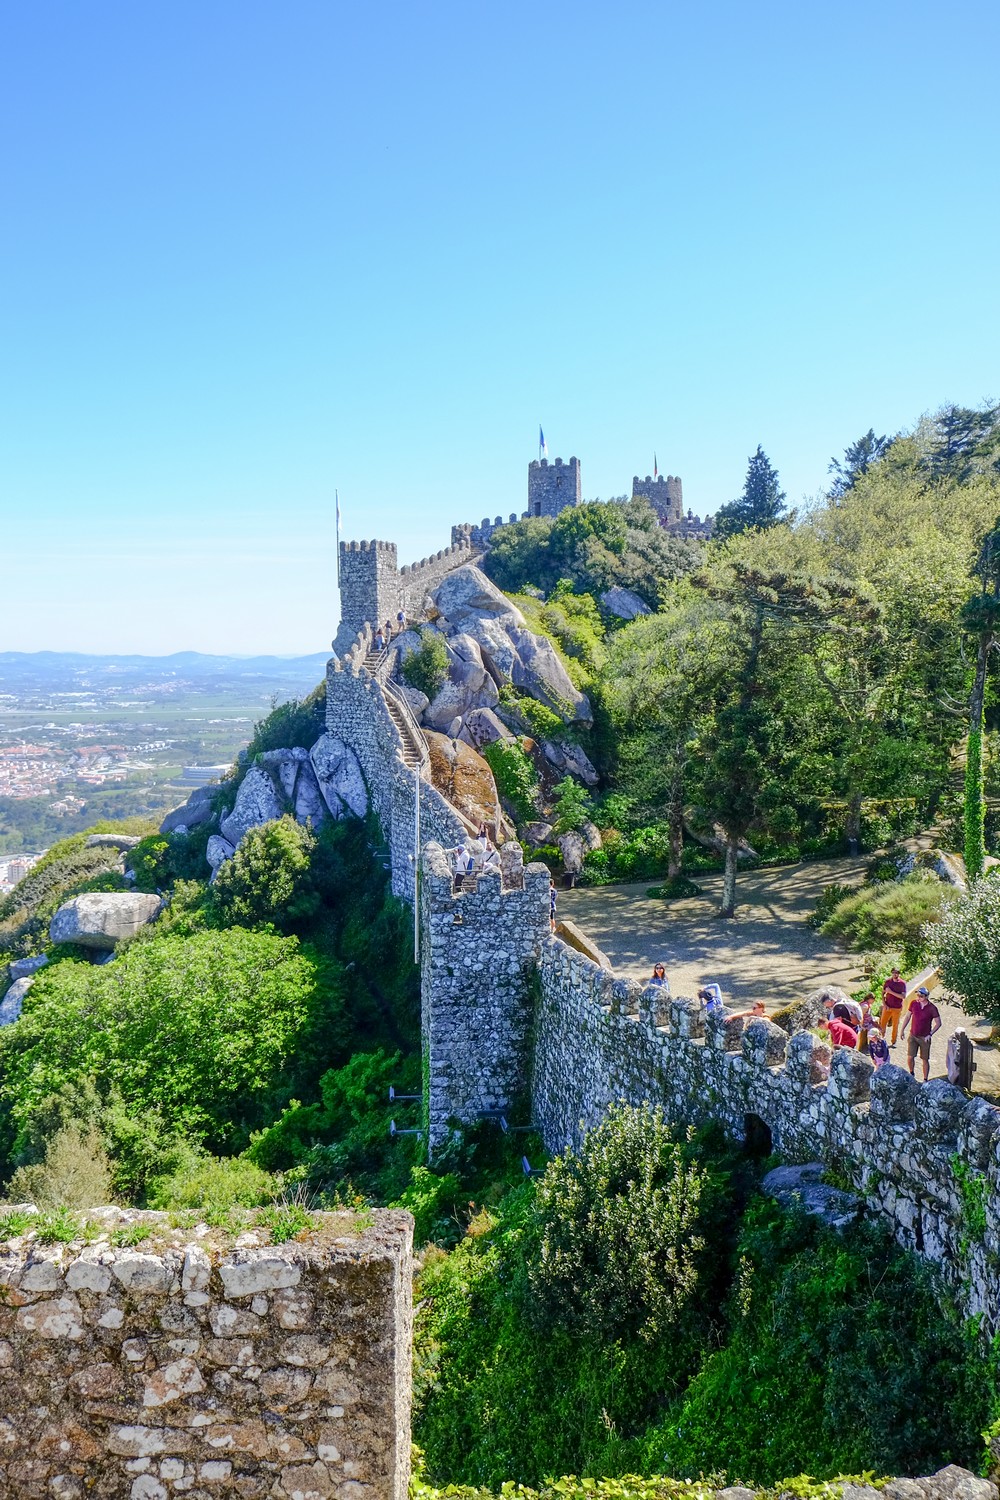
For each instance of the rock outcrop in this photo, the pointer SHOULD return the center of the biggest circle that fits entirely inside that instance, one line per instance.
(463, 776)
(804, 1187)
(339, 777)
(257, 801)
(192, 813)
(101, 919)
(624, 603)
(10, 1005)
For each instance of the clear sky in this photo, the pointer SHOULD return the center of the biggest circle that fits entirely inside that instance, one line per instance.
(251, 253)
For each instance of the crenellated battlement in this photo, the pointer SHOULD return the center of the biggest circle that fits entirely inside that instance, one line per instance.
(553, 487)
(455, 555)
(372, 546)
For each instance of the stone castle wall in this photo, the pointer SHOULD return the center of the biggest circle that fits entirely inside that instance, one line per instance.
(509, 1010)
(665, 495)
(177, 1367)
(417, 580)
(369, 588)
(479, 536)
(356, 712)
(552, 487)
(477, 997)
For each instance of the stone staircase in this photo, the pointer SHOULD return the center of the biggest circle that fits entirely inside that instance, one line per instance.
(415, 754)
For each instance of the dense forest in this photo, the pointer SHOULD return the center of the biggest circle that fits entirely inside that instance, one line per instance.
(809, 682)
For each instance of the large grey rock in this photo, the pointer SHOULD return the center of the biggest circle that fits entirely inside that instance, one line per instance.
(101, 919)
(218, 851)
(537, 834)
(10, 1005)
(283, 766)
(257, 801)
(572, 849)
(571, 760)
(339, 776)
(803, 1186)
(192, 813)
(538, 671)
(467, 594)
(415, 700)
(309, 805)
(457, 699)
(23, 968)
(123, 841)
(624, 603)
(804, 1015)
(480, 726)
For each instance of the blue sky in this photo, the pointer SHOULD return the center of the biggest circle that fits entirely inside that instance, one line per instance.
(251, 253)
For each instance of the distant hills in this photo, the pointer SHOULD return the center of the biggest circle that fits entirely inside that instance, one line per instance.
(27, 670)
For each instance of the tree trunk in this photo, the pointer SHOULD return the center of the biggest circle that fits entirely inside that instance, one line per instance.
(975, 799)
(675, 819)
(729, 878)
(854, 824)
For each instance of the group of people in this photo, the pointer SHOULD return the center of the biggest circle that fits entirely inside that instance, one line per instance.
(384, 633)
(855, 1023)
(474, 856)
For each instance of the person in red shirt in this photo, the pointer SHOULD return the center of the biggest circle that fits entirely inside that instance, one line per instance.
(893, 996)
(923, 1019)
(841, 1035)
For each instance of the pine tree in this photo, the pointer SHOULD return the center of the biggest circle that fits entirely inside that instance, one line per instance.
(857, 460)
(761, 504)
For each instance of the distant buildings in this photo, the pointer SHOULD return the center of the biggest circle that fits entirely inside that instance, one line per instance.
(202, 775)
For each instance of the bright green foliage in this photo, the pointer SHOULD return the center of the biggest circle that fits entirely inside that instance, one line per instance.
(269, 878)
(426, 668)
(66, 870)
(762, 503)
(149, 862)
(299, 722)
(829, 899)
(536, 719)
(574, 620)
(592, 547)
(893, 913)
(432, 1198)
(540, 1340)
(855, 1357)
(571, 805)
(975, 806)
(75, 1173)
(514, 774)
(199, 1029)
(967, 945)
(215, 1184)
(623, 1249)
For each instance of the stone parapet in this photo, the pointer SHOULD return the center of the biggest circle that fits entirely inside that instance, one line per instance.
(925, 1156)
(190, 1364)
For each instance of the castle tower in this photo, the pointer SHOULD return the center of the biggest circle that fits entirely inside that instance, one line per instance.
(369, 588)
(666, 496)
(552, 487)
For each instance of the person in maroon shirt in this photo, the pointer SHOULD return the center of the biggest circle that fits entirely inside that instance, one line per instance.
(893, 996)
(841, 1035)
(923, 1019)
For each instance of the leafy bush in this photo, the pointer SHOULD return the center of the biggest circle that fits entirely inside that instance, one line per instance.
(426, 668)
(571, 805)
(215, 1184)
(845, 1335)
(967, 943)
(640, 855)
(895, 912)
(269, 878)
(827, 901)
(535, 718)
(197, 1029)
(515, 777)
(299, 722)
(74, 1173)
(65, 871)
(676, 889)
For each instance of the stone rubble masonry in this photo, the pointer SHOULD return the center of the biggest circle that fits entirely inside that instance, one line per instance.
(186, 1366)
(665, 495)
(373, 588)
(356, 712)
(478, 952)
(553, 487)
(478, 537)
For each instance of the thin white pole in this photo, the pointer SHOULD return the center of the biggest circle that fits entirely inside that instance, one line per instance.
(416, 865)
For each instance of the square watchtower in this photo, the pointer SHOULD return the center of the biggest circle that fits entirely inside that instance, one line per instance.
(552, 487)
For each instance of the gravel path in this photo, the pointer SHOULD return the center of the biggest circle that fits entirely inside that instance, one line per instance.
(766, 951)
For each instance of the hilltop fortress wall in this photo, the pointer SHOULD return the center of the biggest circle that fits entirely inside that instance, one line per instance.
(516, 1022)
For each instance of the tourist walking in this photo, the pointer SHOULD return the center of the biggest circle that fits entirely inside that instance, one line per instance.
(379, 642)
(893, 996)
(923, 1019)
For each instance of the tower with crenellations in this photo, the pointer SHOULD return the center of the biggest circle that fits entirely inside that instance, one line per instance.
(665, 495)
(553, 487)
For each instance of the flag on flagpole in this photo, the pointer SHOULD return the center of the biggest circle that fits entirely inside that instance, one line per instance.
(340, 524)
(656, 472)
(543, 447)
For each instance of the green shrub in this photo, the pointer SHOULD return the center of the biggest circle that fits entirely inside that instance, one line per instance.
(74, 1173)
(676, 889)
(894, 913)
(534, 718)
(571, 805)
(514, 774)
(827, 901)
(215, 1184)
(197, 1029)
(297, 723)
(432, 1199)
(967, 943)
(65, 871)
(269, 878)
(426, 668)
(845, 1335)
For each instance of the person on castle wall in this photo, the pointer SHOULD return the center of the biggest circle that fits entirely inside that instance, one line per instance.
(712, 996)
(659, 976)
(379, 642)
(400, 622)
(387, 631)
(893, 996)
(877, 1047)
(553, 896)
(461, 864)
(923, 1019)
(756, 1012)
(839, 1032)
(867, 1022)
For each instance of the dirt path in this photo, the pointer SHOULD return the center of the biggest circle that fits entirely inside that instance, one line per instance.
(765, 952)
